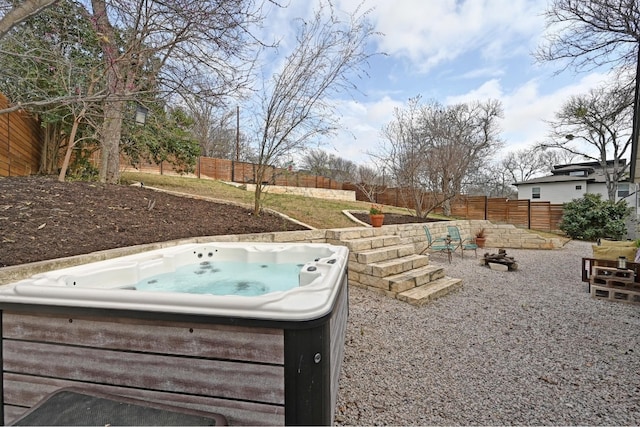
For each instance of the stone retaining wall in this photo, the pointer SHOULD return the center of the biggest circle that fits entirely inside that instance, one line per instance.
(498, 236)
(320, 193)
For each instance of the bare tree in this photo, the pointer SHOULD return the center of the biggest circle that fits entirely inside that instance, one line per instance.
(491, 181)
(217, 129)
(588, 34)
(601, 122)
(196, 47)
(22, 11)
(460, 138)
(404, 156)
(432, 148)
(316, 161)
(525, 164)
(552, 158)
(370, 181)
(203, 49)
(320, 162)
(296, 105)
(341, 169)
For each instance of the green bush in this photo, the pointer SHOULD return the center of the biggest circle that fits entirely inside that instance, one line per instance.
(591, 218)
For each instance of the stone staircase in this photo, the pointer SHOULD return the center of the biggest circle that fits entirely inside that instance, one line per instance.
(384, 263)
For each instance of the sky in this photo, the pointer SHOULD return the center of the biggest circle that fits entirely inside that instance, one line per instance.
(450, 51)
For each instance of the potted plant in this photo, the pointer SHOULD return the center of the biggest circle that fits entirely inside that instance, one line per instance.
(481, 237)
(376, 215)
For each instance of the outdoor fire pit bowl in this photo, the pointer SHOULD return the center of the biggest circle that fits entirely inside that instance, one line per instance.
(499, 261)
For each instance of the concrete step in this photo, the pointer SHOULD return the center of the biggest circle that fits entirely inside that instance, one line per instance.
(403, 281)
(421, 295)
(374, 242)
(382, 254)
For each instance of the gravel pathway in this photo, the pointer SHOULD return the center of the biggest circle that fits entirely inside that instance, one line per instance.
(524, 347)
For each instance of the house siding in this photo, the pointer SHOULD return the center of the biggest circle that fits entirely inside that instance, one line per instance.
(563, 192)
(554, 192)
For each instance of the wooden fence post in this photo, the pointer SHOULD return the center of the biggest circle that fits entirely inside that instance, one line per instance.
(486, 207)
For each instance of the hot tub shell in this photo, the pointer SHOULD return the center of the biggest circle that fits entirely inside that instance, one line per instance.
(273, 359)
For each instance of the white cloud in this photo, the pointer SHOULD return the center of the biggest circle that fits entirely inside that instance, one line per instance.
(455, 51)
(430, 33)
(363, 123)
(528, 106)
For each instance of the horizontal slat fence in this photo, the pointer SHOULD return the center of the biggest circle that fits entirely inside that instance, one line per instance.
(21, 141)
(521, 213)
(242, 172)
(238, 370)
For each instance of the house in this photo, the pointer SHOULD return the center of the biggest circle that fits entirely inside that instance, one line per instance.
(568, 182)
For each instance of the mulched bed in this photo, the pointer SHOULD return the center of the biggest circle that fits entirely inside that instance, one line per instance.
(41, 218)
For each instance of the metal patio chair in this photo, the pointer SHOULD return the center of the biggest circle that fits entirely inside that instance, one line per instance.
(439, 244)
(459, 242)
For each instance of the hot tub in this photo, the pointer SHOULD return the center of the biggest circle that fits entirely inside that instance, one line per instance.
(267, 359)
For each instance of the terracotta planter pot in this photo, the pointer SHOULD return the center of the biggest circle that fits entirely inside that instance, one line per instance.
(376, 220)
(480, 241)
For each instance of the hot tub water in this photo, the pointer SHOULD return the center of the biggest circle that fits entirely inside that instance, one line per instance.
(225, 278)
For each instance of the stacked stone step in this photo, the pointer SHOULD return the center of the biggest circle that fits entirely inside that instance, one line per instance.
(423, 294)
(383, 263)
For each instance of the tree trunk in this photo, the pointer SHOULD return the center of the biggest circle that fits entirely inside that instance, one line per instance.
(24, 10)
(110, 147)
(446, 207)
(257, 195)
(113, 106)
(71, 143)
(50, 147)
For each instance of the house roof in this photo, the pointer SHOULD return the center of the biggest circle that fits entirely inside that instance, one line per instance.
(559, 178)
(560, 173)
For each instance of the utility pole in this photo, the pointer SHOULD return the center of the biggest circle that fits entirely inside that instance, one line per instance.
(635, 131)
(237, 133)
(635, 135)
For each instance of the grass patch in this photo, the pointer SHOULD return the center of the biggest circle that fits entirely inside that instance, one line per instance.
(318, 213)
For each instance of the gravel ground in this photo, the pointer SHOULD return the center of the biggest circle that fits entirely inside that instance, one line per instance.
(529, 347)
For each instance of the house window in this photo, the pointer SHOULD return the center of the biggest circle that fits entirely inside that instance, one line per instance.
(578, 187)
(623, 190)
(535, 193)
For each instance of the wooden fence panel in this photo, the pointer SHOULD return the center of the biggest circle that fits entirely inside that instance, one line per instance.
(556, 212)
(540, 216)
(215, 168)
(498, 209)
(244, 172)
(20, 143)
(518, 213)
(476, 207)
(4, 142)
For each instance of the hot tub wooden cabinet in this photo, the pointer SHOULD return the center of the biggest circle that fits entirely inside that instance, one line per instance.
(253, 371)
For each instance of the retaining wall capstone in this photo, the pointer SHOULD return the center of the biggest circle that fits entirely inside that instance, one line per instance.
(498, 236)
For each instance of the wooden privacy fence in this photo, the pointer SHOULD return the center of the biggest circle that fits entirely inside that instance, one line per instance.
(20, 143)
(20, 152)
(243, 172)
(521, 213)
